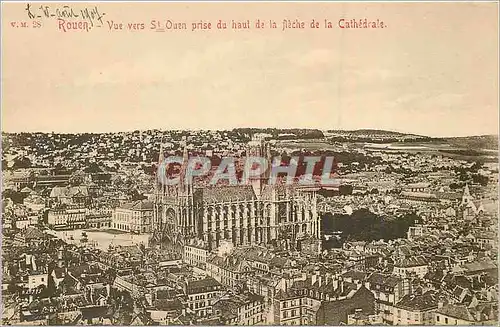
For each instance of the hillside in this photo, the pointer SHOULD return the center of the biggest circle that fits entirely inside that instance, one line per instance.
(373, 132)
(488, 142)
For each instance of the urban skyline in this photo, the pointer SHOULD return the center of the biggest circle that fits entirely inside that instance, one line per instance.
(249, 127)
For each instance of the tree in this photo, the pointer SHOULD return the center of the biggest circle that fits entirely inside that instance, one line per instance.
(480, 179)
(5, 165)
(136, 196)
(13, 287)
(22, 162)
(363, 225)
(93, 168)
(16, 197)
(345, 189)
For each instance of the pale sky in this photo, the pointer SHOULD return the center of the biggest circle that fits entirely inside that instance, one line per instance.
(432, 71)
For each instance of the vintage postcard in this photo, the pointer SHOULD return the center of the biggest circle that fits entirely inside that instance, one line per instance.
(253, 163)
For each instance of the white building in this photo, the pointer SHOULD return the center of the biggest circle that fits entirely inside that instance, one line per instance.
(133, 217)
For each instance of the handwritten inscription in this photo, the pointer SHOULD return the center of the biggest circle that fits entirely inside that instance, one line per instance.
(91, 15)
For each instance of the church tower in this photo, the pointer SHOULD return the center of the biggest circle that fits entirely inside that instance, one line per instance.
(174, 213)
(186, 196)
(258, 147)
(466, 197)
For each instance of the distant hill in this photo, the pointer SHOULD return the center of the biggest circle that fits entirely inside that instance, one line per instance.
(488, 142)
(281, 133)
(374, 132)
(374, 136)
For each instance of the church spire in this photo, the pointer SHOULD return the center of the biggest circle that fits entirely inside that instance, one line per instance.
(185, 152)
(184, 167)
(466, 197)
(161, 171)
(269, 159)
(161, 155)
(466, 190)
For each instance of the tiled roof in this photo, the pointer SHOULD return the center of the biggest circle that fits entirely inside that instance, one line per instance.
(355, 275)
(419, 302)
(202, 285)
(139, 206)
(231, 263)
(279, 262)
(418, 185)
(254, 253)
(435, 275)
(90, 312)
(168, 304)
(34, 233)
(286, 295)
(456, 311)
(69, 191)
(463, 282)
(479, 266)
(166, 294)
(447, 195)
(229, 305)
(34, 200)
(419, 195)
(383, 279)
(412, 262)
(216, 194)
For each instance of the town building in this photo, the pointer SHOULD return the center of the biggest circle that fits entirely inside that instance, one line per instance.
(416, 309)
(99, 218)
(387, 290)
(196, 254)
(242, 309)
(133, 217)
(201, 295)
(66, 217)
(466, 315)
(71, 195)
(411, 266)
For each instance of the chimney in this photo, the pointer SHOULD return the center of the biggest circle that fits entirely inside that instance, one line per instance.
(477, 315)
(328, 277)
(33, 263)
(489, 295)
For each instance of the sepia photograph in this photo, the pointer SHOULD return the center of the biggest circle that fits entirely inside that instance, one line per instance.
(249, 163)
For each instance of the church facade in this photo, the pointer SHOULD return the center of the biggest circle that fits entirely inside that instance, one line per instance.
(251, 214)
